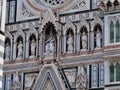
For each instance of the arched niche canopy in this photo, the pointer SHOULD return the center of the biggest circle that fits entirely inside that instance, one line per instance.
(69, 25)
(50, 38)
(49, 30)
(82, 25)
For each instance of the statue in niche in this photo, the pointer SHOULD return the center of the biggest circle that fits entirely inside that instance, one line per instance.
(50, 45)
(70, 43)
(7, 51)
(81, 82)
(8, 82)
(16, 82)
(33, 47)
(20, 50)
(84, 41)
(98, 39)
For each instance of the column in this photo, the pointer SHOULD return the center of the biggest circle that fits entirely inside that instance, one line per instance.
(22, 82)
(27, 49)
(39, 51)
(102, 43)
(115, 72)
(37, 48)
(78, 42)
(58, 44)
(41, 47)
(92, 40)
(11, 50)
(74, 43)
(64, 44)
(14, 51)
(106, 74)
(88, 41)
(24, 48)
(88, 72)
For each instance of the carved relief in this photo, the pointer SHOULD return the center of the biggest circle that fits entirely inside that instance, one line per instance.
(71, 76)
(29, 79)
(26, 12)
(81, 82)
(48, 85)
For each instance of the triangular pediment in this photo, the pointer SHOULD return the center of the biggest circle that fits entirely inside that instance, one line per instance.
(49, 77)
(49, 84)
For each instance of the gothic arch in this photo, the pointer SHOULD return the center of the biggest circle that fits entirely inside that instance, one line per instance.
(82, 23)
(95, 22)
(114, 19)
(49, 17)
(8, 35)
(31, 31)
(70, 25)
(19, 33)
(49, 23)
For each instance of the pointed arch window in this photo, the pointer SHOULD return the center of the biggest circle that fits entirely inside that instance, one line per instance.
(114, 32)
(111, 73)
(111, 32)
(117, 31)
(118, 72)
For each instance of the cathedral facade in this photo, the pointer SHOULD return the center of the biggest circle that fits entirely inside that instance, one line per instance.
(2, 38)
(62, 45)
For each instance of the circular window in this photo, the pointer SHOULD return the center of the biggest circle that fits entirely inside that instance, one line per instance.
(52, 4)
(55, 2)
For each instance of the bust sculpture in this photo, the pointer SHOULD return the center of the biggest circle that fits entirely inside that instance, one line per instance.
(33, 47)
(20, 50)
(84, 41)
(7, 51)
(70, 43)
(98, 39)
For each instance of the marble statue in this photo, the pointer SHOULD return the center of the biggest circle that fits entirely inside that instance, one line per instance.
(7, 51)
(8, 82)
(84, 41)
(98, 39)
(33, 47)
(16, 82)
(81, 82)
(20, 50)
(50, 45)
(70, 43)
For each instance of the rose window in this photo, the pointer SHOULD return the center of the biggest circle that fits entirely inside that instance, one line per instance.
(55, 2)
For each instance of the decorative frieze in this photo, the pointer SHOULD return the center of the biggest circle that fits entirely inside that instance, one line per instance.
(87, 15)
